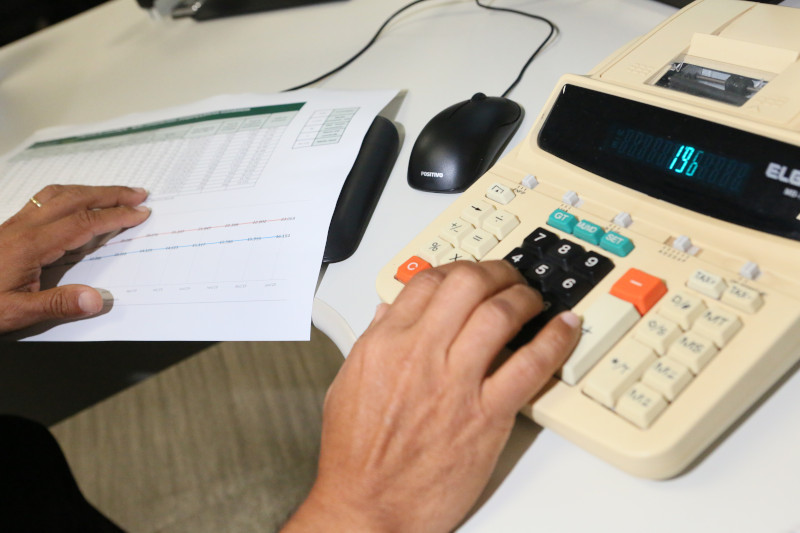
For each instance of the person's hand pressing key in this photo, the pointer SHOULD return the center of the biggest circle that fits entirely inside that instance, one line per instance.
(418, 415)
(57, 219)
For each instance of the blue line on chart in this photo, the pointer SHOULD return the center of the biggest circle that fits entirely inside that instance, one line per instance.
(174, 247)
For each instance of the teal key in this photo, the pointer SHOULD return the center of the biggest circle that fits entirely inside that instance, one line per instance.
(588, 231)
(616, 244)
(562, 220)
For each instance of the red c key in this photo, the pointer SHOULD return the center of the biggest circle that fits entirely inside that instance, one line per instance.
(407, 270)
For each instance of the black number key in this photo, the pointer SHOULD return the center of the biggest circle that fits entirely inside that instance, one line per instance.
(568, 288)
(591, 266)
(563, 252)
(539, 241)
(542, 275)
(531, 328)
(522, 258)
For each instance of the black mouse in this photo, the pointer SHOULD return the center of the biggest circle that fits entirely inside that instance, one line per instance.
(459, 144)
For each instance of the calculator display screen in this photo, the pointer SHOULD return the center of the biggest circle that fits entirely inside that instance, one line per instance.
(710, 168)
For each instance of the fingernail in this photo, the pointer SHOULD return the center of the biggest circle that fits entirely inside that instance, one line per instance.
(140, 190)
(89, 304)
(571, 319)
(143, 209)
(108, 298)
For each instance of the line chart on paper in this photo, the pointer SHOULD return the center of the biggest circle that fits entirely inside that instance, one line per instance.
(106, 250)
(241, 190)
(239, 255)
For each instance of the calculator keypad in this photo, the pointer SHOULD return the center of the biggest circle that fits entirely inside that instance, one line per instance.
(562, 270)
(668, 348)
(618, 371)
(642, 345)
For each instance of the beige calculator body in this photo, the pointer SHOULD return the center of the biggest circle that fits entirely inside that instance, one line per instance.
(665, 215)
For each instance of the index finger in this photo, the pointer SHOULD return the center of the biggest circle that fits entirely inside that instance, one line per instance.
(462, 291)
(58, 201)
(454, 289)
(74, 231)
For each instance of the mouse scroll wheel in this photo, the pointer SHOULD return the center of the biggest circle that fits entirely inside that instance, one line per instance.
(477, 97)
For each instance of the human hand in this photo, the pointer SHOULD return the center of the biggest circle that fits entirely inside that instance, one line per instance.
(69, 217)
(416, 419)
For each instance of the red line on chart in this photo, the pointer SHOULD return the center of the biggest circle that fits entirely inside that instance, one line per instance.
(65, 260)
(203, 228)
(90, 250)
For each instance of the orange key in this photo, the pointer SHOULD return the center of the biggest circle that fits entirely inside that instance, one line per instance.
(639, 288)
(407, 270)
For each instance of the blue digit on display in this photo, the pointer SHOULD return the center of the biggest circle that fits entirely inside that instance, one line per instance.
(693, 166)
(674, 159)
(685, 153)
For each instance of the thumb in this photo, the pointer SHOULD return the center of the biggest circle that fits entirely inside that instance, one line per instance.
(25, 309)
(528, 369)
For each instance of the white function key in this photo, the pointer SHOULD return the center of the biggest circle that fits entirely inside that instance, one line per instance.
(571, 198)
(667, 377)
(718, 325)
(478, 243)
(742, 297)
(476, 212)
(657, 332)
(618, 370)
(693, 351)
(706, 283)
(500, 223)
(682, 307)
(750, 270)
(604, 323)
(455, 231)
(682, 243)
(623, 219)
(641, 405)
(435, 251)
(457, 254)
(530, 181)
(500, 193)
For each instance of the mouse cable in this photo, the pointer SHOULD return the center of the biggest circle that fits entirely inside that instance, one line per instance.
(360, 52)
(553, 31)
(550, 36)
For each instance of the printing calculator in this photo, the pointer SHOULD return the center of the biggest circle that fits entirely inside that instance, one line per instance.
(659, 198)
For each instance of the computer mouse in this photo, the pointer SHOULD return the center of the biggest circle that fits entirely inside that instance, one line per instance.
(459, 144)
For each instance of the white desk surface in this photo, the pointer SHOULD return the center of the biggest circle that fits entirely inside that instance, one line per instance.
(114, 60)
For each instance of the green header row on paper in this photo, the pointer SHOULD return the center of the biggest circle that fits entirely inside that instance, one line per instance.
(193, 119)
